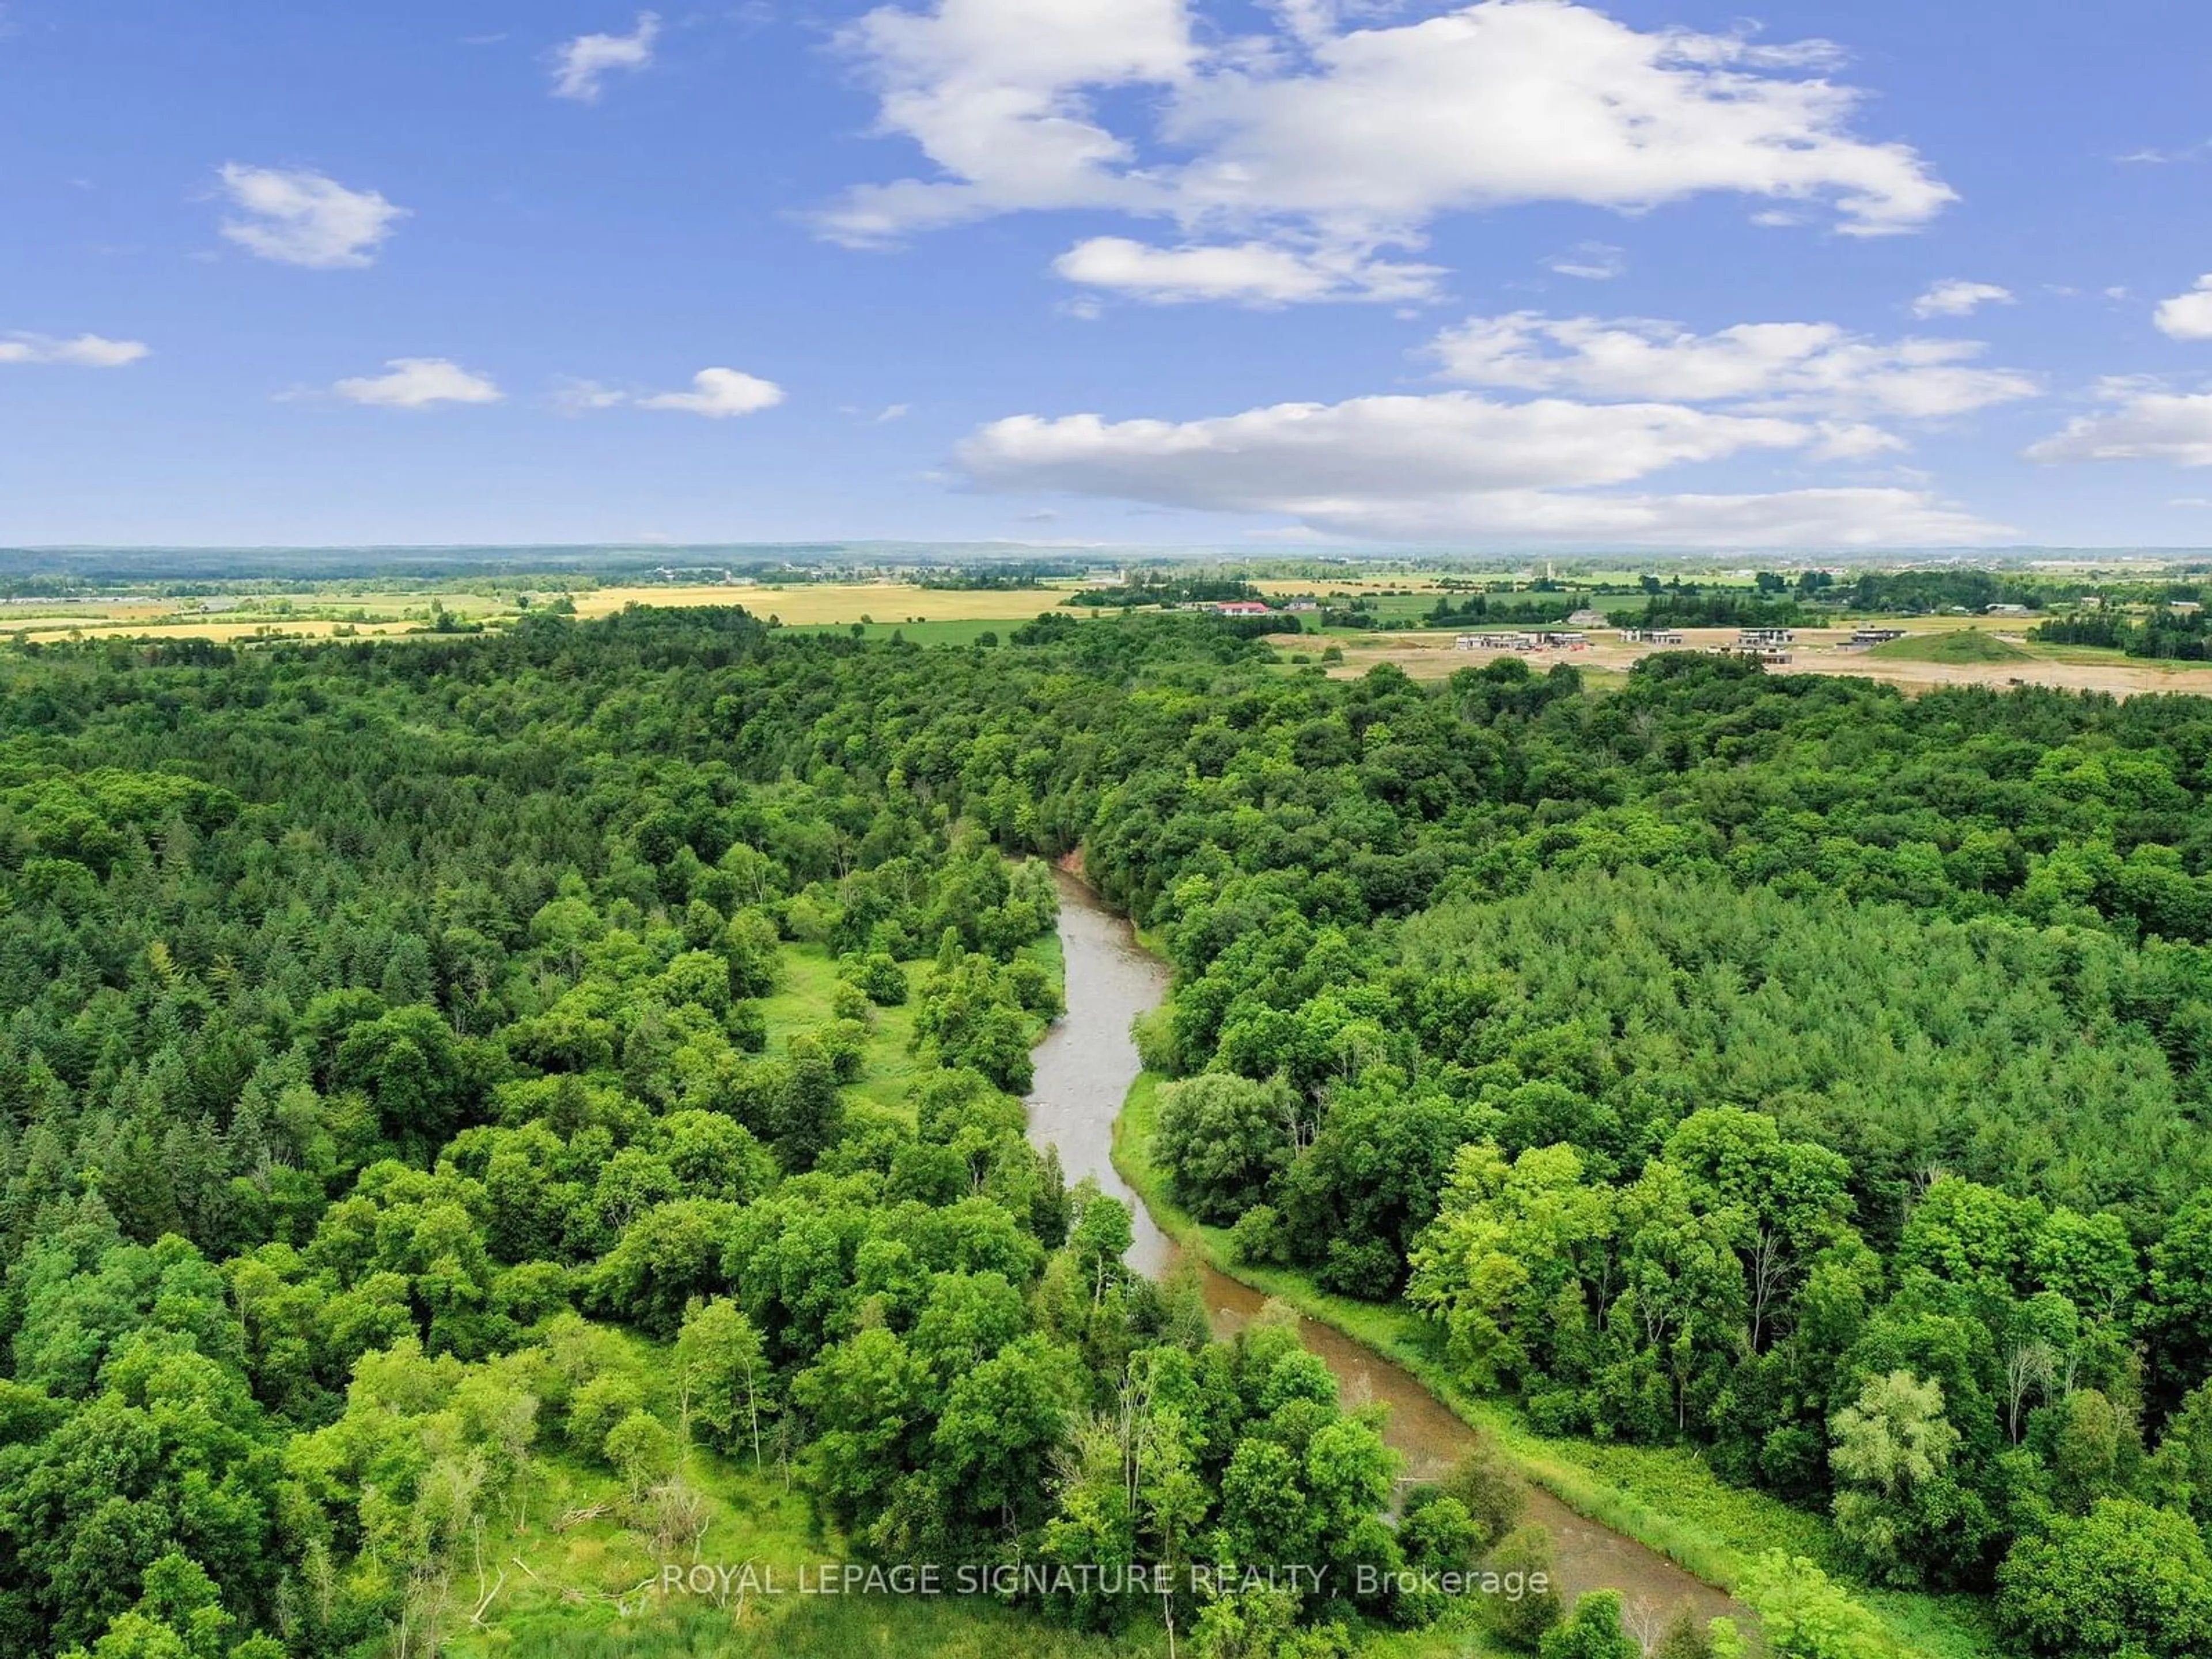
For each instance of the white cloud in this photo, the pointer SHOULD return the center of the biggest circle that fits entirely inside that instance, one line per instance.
(1594, 262)
(419, 383)
(1453, 464)
(299, 217)
(85, 351)
(2144, 424)
(1348, 139)
(2154, 157)
(580, 64)
(893, 412)
(1249, 273)
(2188, 316)
(718, 393)
(1954, 298)
(574, 397)
(1790, 367)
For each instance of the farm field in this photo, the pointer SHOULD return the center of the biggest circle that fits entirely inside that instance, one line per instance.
(803, 603)
(882, 605)
(1430, 655)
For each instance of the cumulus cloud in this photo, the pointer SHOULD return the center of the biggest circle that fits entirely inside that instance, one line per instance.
(419, 383)
(299, 217)
(718, 393)
(1959, 299)
(1455, 465)
(2188, 316)
(1332, 135)
(580, 64)
(2140, 424)
(1790, 367)
(85, 351)
(1248, 273)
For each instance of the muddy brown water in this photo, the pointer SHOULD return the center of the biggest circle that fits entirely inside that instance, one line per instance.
(1084, 1067)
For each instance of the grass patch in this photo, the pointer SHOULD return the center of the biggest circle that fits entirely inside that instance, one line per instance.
(587, 1579)
(1667, 1498)
(802, 1003)
(1964, 645)
(577, 1593)
(832, 1627)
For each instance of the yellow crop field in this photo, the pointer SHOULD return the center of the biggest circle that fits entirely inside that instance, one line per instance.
(211, 629)
(806, 603)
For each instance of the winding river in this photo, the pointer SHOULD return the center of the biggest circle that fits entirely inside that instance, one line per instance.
(1084, 1067)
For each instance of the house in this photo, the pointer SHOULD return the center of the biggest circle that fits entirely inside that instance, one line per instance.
(2008, 610)
(1563, 641)
(1764, 639)
(1243, 608)
(1650, 636)
(1875, 635)
(1494, 642)
(2183, 607)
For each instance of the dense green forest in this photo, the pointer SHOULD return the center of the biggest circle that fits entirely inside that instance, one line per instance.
(455, 1085)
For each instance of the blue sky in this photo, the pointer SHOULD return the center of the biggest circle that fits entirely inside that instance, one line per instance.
(1519, 274)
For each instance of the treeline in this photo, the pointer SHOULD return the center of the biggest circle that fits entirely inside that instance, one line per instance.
(1145, 588)
(1500, 611)
(1718, 607)
(988, 578)
(1920, 593)
(2179, 637)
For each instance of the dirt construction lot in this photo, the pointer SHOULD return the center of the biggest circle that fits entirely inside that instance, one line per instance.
(1817, 651)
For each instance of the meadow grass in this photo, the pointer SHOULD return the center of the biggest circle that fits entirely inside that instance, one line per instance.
(801, 1004)
(827, 1627)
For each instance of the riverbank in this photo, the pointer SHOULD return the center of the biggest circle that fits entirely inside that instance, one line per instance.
(1084, 1073)
(1668, 1499)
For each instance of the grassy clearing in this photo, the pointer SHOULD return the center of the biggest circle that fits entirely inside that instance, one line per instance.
(1961, 645)
(581, 1593)
(802, 1003)
(834, 1627)
(1667, 1498)
(591, 1576)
